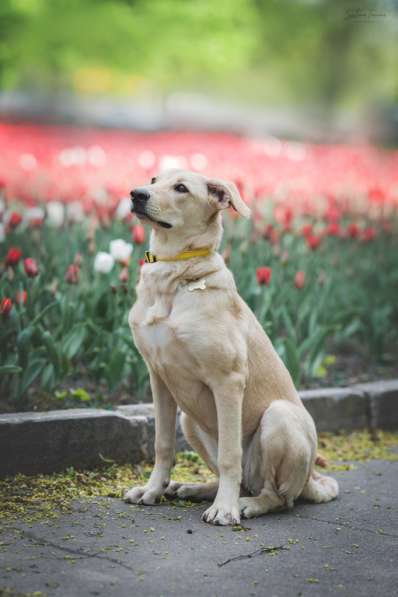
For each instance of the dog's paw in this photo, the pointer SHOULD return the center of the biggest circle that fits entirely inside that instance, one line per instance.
(141, 495)
(172, 490)
(248, 508)
(219, 514)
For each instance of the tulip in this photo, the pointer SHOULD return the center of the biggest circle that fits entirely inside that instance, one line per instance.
(103, 262)
(352, 230)
(72, 274)
(271, 233)
(138, 234)
(368, 234)
(120, 250)
(75, 212)
(377, 195)
(30, 267)
(264, 275)
(5, 306)
(55, 214)
(307, 230)
(123, 209)
(21, 297)
(313, 241)
(14, 220)
(171, 162)
(35, 216)
(141, 262)
(333, 229)
(13, 256)
(299, 280)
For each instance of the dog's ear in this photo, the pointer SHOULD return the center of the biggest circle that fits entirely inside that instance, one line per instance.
(226, 194)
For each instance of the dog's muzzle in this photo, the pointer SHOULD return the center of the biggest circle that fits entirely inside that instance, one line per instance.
(139, 206)
(139, 199)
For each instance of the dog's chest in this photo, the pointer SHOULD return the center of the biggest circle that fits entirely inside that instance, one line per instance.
(153, 333)
(155, 342)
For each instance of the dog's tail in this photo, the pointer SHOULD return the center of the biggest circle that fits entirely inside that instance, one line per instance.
(320, 488)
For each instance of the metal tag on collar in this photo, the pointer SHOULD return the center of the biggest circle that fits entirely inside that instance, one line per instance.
(150, 257)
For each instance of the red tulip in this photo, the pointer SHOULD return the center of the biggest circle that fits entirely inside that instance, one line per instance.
(313, 241)
(31, 268)
(299, 280)
(21, 297)
(352, 230)
(14, 220)
(307, 230)
(333, 229)
(368, 234)
(377, 195)
(72, 274)
(141, 262)
(138, 234)
(5, 306)
(271, 233)
(264, 275)
(13, 256)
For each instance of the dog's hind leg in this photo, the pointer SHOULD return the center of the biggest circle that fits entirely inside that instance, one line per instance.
(286, 449)
(206, 447)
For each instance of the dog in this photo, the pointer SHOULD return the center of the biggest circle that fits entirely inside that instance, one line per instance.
(207, 354)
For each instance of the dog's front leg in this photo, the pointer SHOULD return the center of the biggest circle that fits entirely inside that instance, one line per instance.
(165, 439)
(228, 398)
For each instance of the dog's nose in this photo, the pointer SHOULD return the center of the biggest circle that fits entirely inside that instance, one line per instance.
(139, 195)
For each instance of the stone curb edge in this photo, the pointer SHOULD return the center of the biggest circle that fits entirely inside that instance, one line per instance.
(47, 442)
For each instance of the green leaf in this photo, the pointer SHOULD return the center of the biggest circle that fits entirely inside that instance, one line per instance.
(115, 368)
(9, 369)
(33, 370)
(74, 341)
(292, 359)
(48, 376)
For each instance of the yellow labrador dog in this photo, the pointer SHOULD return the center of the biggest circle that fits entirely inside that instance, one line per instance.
(207, 354)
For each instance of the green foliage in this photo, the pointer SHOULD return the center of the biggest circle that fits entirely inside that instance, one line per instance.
(261, 50)
(72, 341)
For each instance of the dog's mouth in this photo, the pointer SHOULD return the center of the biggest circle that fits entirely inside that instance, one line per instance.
(143, 215)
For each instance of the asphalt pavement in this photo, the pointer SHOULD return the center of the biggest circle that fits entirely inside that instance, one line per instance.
(348, 547)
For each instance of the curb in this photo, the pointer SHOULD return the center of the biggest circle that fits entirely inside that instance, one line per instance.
(48, 442)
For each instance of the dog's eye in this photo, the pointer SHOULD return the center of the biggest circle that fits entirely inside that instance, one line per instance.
(181, 188)
(153, 180)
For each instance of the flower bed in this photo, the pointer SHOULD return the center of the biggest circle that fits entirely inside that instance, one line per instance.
(317, 263)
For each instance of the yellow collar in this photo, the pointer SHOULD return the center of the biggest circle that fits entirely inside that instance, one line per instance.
(203, 252)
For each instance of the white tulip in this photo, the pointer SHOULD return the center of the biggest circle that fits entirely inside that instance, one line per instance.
(146, 159)
(124, 208)
(170, 162)
(34, 213)
(75, 211)
(2, 233)
(198, 161)
(120, 250)
(55, 214)
(103, 262)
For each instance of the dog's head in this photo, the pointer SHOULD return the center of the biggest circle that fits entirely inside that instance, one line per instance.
(182, 199)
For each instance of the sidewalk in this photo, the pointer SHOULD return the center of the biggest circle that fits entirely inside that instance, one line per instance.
(348, 547)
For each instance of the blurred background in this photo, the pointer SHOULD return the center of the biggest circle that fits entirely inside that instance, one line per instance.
(296, 101)
(301, 69)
